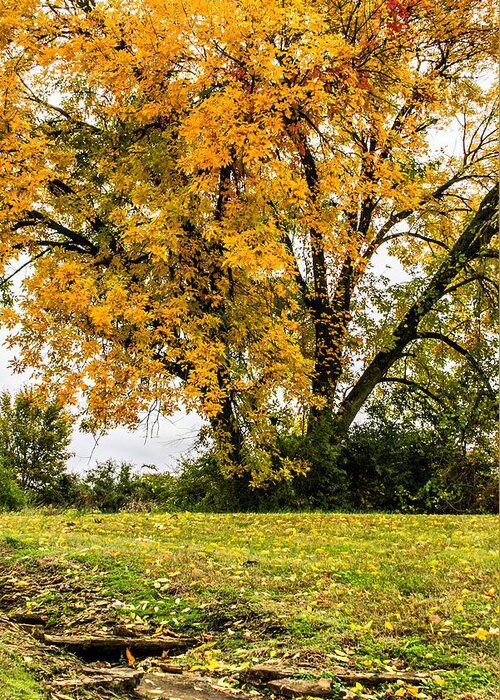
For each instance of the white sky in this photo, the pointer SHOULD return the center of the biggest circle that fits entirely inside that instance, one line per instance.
(169, 440)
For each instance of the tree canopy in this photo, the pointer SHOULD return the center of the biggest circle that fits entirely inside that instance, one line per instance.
(203, 190)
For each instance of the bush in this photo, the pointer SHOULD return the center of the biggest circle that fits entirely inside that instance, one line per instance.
(12, 496)
(151, 491)
(460, 483)
(380, 465)
(107, 487)
(325, 486)
(393, 467)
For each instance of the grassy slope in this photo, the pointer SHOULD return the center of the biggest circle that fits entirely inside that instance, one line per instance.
(370, 591)
(15, 681)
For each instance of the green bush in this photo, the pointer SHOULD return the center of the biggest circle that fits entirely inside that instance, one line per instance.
(107, 487)
(12, 496)
(381, 465)
(325, 486)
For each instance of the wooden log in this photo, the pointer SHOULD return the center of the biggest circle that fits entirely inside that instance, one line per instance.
(375, 678)
(294, 689)
(265, 674)
(104, 646)
(113, 678)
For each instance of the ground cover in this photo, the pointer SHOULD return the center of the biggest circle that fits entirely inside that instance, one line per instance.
(15, 681)
(368, 593)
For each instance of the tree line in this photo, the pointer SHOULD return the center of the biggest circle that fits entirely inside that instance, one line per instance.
(385, 464)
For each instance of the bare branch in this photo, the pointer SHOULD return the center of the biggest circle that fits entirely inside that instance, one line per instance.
(420, 236)
(36, 218)
(4, 280)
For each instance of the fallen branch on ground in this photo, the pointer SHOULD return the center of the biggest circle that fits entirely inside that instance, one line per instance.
(115, 678)
(108, 645)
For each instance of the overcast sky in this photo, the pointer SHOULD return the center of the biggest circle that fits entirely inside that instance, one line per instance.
(169, 441)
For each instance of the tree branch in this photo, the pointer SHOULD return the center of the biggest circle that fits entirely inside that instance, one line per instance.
(37, 218)
(468, 280)
(394, 219)
(476, 235)
(462, 351)
(4, 280)
(301, 282)
(414, 385)
(421, 237)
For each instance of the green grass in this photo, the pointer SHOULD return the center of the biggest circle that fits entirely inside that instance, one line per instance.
(377, 590)
(15, 681)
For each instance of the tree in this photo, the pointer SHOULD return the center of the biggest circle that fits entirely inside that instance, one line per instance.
(109, 486)
(202, 190)
(34, 437)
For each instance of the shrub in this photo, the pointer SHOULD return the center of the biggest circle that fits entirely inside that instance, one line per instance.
(107, 487)
(12, 496)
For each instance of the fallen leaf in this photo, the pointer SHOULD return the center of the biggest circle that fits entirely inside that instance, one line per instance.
(435, 619)
(482, 634)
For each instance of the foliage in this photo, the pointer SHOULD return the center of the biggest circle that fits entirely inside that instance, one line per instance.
(378, 466)
(11, 495)
(200, 485)
(325, 484)
(34, 436)
(393, 468)
(202, 190)
(151, 490)
(109, 487)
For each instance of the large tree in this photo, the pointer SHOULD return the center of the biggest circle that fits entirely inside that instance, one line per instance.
(204, 190)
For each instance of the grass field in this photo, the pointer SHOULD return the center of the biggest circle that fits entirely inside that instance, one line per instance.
(366, 591)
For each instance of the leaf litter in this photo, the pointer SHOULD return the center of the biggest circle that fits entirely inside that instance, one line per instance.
(61, 590)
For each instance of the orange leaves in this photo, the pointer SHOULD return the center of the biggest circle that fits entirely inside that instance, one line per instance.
(219, 164)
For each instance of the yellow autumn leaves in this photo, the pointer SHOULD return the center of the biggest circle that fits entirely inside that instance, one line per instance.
(202, 186)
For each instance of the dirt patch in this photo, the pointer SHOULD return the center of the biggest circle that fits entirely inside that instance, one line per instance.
(189, 687)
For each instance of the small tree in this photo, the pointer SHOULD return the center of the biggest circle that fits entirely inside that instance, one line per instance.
(34, 437)
(109, 486)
